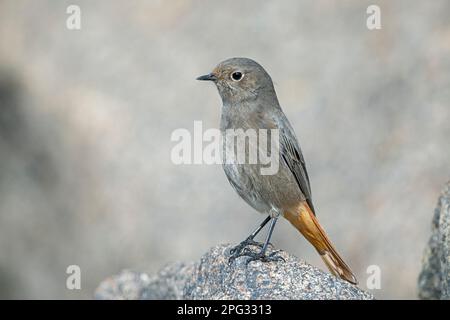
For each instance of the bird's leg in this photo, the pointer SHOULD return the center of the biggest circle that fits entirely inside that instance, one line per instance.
(236, 251)
(262, 254)
(269, 235)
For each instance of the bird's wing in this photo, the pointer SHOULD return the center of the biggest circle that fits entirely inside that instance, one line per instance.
(292, 155)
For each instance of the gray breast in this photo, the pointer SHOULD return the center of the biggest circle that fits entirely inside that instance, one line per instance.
(262, 192)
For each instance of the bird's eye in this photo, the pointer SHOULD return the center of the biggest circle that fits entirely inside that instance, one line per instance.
(237, 76)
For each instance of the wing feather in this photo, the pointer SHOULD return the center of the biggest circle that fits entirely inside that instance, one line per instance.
(293, 157)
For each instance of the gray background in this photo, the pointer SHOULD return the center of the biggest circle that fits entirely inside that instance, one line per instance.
(86, 118)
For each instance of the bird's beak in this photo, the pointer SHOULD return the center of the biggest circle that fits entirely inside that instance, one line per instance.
(208, 77)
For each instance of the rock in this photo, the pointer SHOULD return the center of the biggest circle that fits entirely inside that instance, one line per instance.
(214, 278)
(130, 285)
(434, 279)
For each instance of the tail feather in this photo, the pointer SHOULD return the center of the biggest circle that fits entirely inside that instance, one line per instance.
(305, 221)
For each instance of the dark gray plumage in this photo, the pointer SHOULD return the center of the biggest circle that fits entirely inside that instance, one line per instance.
(250, 102)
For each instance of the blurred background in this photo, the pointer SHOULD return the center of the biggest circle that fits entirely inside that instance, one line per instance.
(86, 118)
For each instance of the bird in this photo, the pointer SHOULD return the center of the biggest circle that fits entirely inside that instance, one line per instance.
(249, 101)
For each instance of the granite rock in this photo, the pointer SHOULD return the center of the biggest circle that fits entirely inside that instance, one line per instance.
(213, 277)
(434, 279)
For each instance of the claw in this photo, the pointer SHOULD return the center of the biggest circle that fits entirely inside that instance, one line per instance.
(253, 256)
(274, 256)
(243, 244)
(242, 250)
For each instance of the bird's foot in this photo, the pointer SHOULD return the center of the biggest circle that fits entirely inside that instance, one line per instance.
(238, 250)
(241, 250)
(262, 256)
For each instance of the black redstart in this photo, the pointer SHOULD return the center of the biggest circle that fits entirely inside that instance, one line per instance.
(250, 102)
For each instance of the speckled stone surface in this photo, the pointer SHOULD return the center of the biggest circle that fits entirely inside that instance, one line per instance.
(167, 284)
(213, 277)
(434, 279)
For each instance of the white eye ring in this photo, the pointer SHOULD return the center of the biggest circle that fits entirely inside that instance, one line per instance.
(237, 76)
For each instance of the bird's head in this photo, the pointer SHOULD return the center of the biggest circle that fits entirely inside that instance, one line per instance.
(240, 79)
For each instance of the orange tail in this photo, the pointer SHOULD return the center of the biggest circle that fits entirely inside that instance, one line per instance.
(305, 221)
